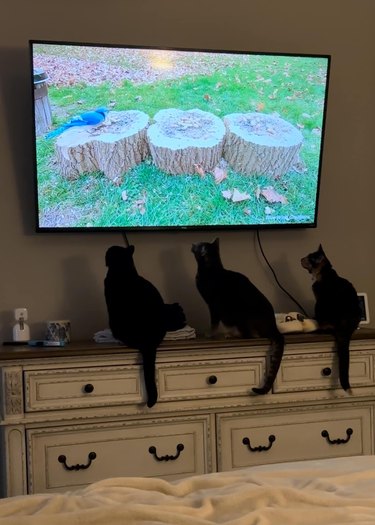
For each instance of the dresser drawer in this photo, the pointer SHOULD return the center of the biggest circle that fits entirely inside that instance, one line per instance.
(246, 440)
(82, 387)
(75, 456)
(210, 379)
(321, 373)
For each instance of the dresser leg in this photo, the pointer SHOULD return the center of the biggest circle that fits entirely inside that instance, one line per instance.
(13, 479)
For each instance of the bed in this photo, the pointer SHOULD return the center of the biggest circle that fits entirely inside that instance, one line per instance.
(319, 492)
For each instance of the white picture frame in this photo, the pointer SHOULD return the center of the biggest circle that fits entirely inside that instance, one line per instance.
(363, 304)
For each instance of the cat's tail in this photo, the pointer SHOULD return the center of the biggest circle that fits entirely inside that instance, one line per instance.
(149, 358)
(342, 347)
(276, 355)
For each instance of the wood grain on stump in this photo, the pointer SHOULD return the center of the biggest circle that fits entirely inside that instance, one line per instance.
(179, 140)
(258, 144)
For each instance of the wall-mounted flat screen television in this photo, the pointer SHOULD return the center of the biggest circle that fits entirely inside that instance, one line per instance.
(140, 138)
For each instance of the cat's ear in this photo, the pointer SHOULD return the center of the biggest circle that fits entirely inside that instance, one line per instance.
(320, 249)
(216, 242)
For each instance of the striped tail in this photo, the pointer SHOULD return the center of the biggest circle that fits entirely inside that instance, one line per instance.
(277, 351)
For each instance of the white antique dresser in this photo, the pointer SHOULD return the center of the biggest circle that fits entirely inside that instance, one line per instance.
(74, 415)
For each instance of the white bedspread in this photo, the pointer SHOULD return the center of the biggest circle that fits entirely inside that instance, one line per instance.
(326, 492)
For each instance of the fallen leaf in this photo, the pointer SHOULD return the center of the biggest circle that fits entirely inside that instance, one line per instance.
(124, 195)
(140, 204)
(220, 174)
(272, 196)
(260, 106)
(207, 97)
(268, 210)
(247, 211)
(257, 192)
(299, 166)
(227, 194)
(273, 96)
(239, 197)
(199, 169)
(116, 181)
(235, 195)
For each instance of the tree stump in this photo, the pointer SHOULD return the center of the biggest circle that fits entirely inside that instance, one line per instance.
(42, 106)
(113, 147)
(258, 144)
(179, 140)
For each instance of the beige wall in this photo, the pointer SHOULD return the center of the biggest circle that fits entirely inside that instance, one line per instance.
(61, 276)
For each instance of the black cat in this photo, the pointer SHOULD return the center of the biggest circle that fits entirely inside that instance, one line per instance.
(238, 304)
(137, 314)
(175, 317)
(336, 308)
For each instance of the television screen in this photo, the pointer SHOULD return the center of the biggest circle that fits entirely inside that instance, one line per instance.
(130, 138)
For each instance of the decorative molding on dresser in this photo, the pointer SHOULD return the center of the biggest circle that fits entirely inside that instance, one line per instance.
(73, 415)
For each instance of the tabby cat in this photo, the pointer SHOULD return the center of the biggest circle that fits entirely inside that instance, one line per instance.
(234, 301)
(137, 314)
(336, 307)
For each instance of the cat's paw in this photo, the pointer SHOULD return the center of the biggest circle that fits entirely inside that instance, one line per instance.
(152, 397)
(151, 401)
(260, 391)
(345, 385)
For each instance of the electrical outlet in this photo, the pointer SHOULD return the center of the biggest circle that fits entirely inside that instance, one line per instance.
(20, 313)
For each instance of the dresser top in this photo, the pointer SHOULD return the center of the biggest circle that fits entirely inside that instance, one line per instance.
(91, 348)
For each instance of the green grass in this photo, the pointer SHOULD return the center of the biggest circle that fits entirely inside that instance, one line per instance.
(189, 199)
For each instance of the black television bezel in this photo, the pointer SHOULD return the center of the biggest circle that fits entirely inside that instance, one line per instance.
(170, 228)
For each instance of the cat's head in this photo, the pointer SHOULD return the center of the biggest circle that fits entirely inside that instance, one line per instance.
(314, 261)
(206, 251)
(119, 257)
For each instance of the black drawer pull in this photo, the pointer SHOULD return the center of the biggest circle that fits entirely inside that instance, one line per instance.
(261, 448)
(91, 457)
(212, 380)
(88, 388)
(326, 371)
(180, 447)
(339, 441)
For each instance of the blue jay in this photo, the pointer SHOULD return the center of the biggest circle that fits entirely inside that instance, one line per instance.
(88, 118)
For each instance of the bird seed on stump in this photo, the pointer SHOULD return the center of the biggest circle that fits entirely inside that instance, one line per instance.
(179, 140)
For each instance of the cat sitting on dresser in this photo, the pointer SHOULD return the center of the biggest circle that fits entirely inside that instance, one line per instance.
(137, 313)
(336, 307)
(234, 301)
